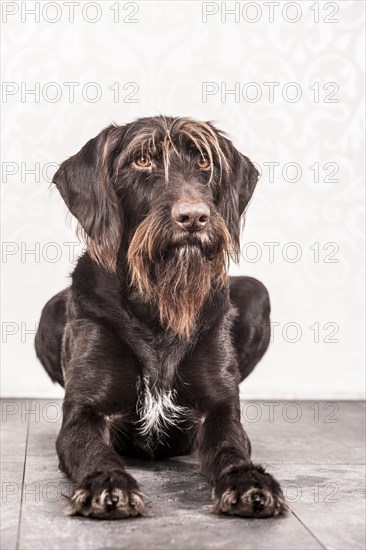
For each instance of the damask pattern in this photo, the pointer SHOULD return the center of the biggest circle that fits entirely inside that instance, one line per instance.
(283, 79)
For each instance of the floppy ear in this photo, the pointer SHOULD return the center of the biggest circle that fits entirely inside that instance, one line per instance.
(84, 182)
(243, 178)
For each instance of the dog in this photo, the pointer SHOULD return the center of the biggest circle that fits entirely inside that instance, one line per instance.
(152, 338)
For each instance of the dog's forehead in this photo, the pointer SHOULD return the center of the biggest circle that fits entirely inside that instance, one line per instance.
(167, 136)
(172, 125)
(157, 131)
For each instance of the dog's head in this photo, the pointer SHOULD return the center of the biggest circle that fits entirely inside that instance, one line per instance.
(169, 193)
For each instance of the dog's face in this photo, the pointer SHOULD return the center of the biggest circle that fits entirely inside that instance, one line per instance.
(169, 193)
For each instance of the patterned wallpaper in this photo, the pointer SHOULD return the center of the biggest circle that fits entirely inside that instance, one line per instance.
(284, 79)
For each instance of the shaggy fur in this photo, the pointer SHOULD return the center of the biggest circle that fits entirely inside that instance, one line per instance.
(152, 337)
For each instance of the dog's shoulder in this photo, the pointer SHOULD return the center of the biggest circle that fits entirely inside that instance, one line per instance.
(94, 290)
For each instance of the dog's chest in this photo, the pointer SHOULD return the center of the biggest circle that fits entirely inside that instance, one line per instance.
(159, 406)
(158, 411)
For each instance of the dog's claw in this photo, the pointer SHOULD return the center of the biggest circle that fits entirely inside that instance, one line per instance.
(107, 496)
(249, 492)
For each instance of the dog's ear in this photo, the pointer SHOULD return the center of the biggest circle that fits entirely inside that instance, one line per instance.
(243, 177)
(85, 183)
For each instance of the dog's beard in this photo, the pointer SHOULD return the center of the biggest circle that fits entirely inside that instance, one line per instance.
(177, 279)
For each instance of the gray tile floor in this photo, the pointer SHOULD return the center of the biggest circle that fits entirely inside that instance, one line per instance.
(316, 450)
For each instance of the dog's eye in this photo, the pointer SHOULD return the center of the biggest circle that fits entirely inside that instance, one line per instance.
(203, 162)
(143, 161)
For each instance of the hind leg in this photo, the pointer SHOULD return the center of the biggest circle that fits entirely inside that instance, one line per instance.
(252, 328)
(48, 339)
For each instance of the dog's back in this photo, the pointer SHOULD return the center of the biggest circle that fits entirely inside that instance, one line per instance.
(251, 328)
(48, 340)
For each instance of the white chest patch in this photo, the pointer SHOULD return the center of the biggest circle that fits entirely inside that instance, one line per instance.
(157, 411)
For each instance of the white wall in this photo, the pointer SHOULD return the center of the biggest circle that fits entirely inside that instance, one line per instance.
(169, 53)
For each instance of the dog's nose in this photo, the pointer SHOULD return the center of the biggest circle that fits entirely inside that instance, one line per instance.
(191, 216)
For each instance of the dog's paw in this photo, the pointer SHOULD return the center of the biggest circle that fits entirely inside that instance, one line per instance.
(108, 495)
(248, 491)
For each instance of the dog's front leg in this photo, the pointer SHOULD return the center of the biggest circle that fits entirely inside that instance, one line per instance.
(239, 486)
(103, 487)
(100, 379)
